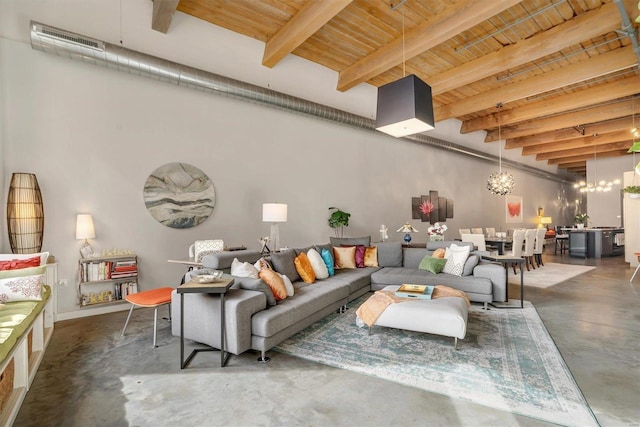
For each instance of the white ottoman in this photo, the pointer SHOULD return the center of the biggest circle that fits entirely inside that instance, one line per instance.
(441, 316)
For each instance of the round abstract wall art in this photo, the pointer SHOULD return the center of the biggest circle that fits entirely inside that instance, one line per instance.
(179, 195)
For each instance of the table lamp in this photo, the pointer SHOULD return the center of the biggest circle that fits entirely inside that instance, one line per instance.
(544, 222)
(274, 213)
(85, 230)
(408, 229)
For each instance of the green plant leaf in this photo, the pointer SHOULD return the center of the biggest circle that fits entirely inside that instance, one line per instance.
(635, 148)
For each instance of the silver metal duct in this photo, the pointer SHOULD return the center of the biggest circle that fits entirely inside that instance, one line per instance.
(86, 49)
(628, 29)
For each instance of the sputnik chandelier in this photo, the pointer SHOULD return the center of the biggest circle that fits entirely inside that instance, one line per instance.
(599, 186)
(500, 183)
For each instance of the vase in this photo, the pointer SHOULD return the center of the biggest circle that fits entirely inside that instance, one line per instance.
(580, 226)
(436, 237)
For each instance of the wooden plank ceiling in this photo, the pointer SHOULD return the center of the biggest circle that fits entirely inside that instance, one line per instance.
(564, 71)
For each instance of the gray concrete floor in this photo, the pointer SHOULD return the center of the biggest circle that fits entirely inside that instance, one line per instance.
(91, 376)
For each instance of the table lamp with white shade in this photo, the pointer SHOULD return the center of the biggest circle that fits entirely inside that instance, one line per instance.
(407, 228)
(86, 231)
(274, 213)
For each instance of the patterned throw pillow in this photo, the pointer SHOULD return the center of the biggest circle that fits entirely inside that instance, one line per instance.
(275, 282)
(304, 268)
(317, 263)
(371, 256)
(456, 257)
(327, 257)
(345, 257)
(22, 285)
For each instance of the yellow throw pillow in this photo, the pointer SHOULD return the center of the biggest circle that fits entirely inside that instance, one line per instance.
(275, 283)
(345, 257)
(304, 268)
(439, 253)
(371, 256)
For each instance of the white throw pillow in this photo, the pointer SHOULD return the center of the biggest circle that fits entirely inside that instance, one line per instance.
(243, 269)
(288, 285)
(456, 257)
(317, 263)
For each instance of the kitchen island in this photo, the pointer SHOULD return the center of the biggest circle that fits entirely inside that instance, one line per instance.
(595, 242)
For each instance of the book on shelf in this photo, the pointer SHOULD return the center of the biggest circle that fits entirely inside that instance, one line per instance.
(415, 291)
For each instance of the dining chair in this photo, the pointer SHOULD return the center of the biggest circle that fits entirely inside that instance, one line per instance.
(477, 231)
(476, 239)
(491, 232)
(539, 246)
(529, 242)
(516, 247)
(464, 231)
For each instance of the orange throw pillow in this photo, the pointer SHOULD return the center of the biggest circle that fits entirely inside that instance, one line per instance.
(275, 283)
(439, 253)
(18, 264)
(345, 257)
(304, 268)
(371, 256)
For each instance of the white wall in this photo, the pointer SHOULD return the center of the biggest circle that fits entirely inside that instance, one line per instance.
(605, 208)
(93, 136)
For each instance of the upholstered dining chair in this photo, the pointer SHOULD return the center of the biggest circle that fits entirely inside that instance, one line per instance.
(464, 231)
(539, 246)
(516, 247)
(529, 242)
(491, 231)
(476, 239)
(477, 231)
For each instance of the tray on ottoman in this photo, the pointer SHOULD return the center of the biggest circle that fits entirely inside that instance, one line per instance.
(440, 316)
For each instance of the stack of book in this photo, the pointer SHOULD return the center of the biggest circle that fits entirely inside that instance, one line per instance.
(415, 291)
(120, 269)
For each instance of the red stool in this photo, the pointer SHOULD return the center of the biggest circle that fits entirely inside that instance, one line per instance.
(152, 298)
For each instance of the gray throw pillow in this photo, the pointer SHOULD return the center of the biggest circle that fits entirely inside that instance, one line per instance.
(470, 264)
(350, 241)
(283, 263)
(251, 284)
(389, 254)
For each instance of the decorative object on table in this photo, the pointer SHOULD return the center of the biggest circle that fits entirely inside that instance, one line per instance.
(544, 221)
(581, 220)
(338, 220)
(513, 206)
(264, 245)
(384, 233)
(431, 208)
(633, 191)
(85, 230)
(407, 229)
(179, 195)
(274, 213)
(405, 106)
(436, 232)
(500, 183)
(205, 275)
(415, 291)
(25, 214)
(117, 252)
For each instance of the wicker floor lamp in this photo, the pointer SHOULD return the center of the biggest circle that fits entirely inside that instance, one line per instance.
(25, 214)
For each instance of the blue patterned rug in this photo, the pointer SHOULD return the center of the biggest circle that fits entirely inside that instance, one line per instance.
(507, 361)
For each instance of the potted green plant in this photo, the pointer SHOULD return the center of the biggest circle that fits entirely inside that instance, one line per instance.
(581, 219)
(338, 220)
(633, 190)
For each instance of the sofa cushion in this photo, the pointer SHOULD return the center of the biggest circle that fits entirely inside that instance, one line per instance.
(470, 264)
(258, 285)
(24, 284)
(456, 257)
(344, 257)
(275, 282)
(371, 256)
(432, 264)
(318, 265)
(327, 257)
(389, 254)
(350, 241)
(283, 262)
(304, 268)
(411, 257)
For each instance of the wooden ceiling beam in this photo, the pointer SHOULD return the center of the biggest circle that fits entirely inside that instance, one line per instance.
(308, 20)
(562, 121)
(162, 14)
(581, 165)
(585, 157)
(587, 141)
(605, 148)
(575, 73)
(456, 19)
(584, 27)
(570, 133)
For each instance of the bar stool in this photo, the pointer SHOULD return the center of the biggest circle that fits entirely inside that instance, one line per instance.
(637, 268)
(151, 298)
(561, 240)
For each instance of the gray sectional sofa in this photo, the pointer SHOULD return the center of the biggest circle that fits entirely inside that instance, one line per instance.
(254, 323)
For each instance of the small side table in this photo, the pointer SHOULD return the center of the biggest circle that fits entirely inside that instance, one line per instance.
(217, 288)
(506, 260)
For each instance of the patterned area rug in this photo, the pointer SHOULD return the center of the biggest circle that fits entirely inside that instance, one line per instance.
(548, 275)
(507, 361)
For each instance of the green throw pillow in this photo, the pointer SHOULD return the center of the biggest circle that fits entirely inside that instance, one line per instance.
(434, 265)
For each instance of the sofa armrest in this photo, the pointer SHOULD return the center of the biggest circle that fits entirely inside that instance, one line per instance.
(498, 276)
(202, 317)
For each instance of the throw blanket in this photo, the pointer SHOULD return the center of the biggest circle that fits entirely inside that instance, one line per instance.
(372, 308)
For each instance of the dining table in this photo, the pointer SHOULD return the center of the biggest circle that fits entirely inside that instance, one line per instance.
(499, 242)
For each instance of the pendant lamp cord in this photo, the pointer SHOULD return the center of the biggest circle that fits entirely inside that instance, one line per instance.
(499, 105)
(404, 72)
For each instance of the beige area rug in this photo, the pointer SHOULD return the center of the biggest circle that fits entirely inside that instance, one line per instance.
(548, 275)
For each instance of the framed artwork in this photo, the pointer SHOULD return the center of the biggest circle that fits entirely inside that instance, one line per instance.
(513, 207)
